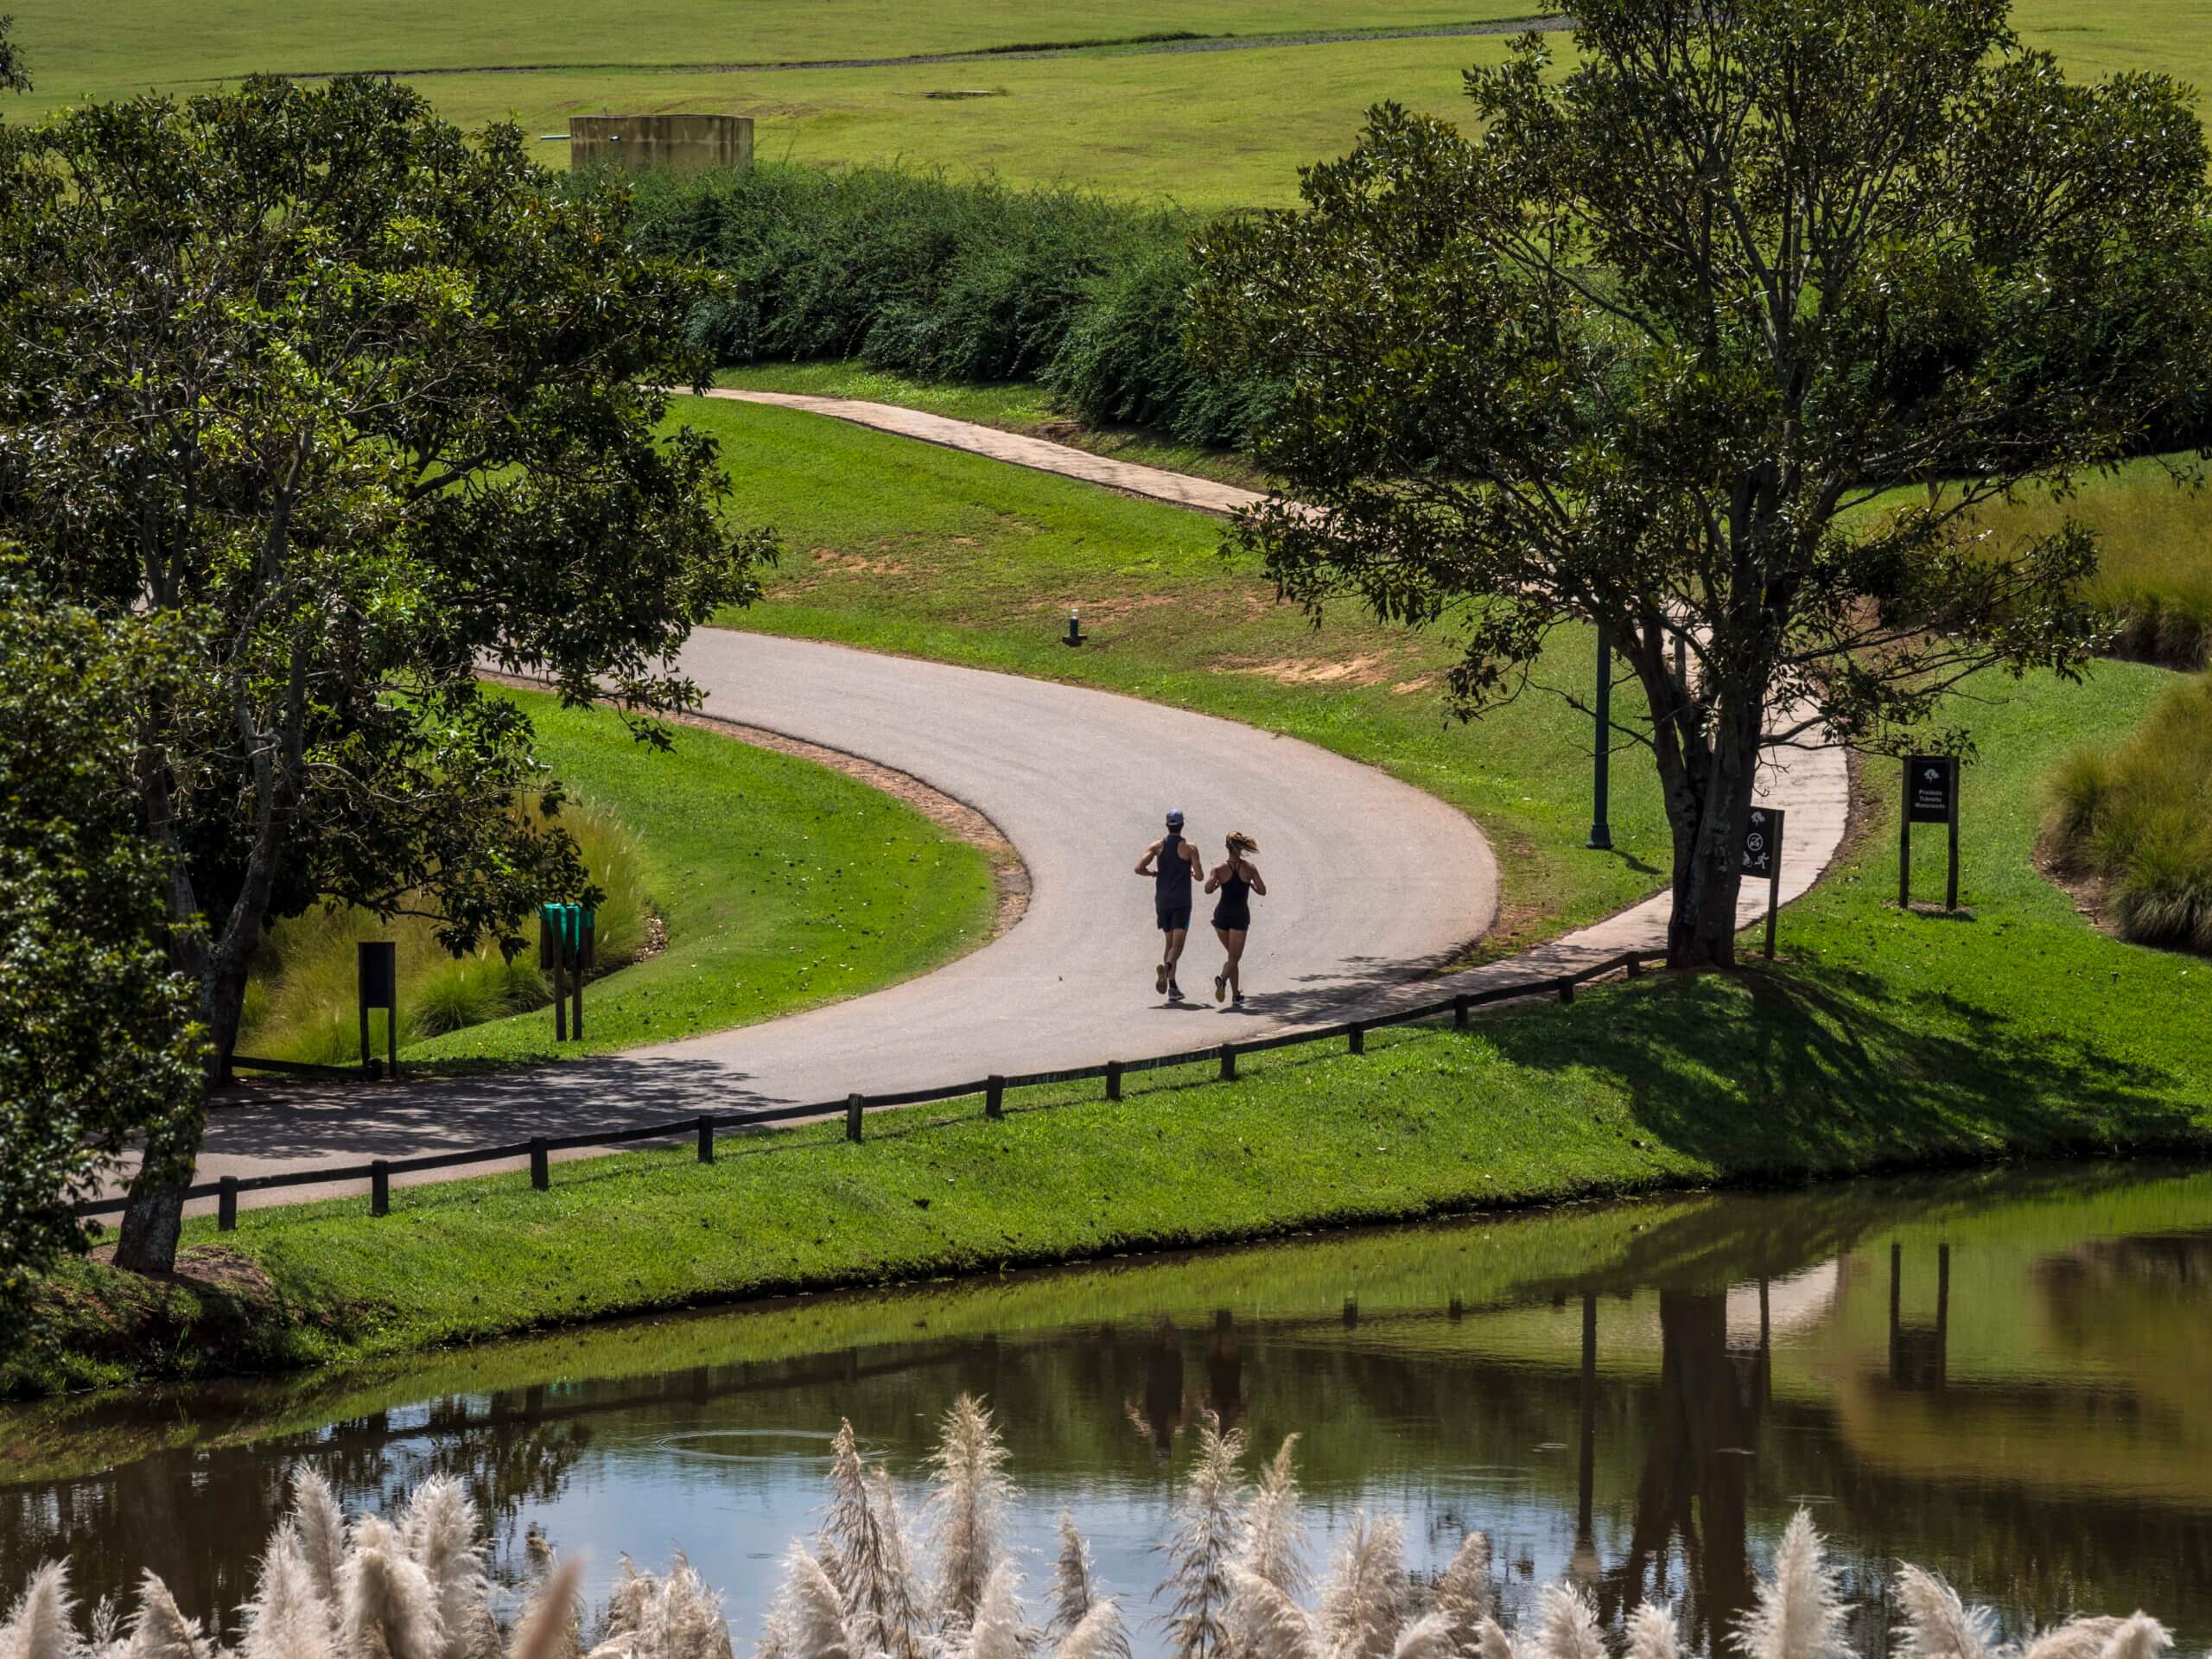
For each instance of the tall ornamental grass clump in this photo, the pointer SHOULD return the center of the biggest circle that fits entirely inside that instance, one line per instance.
(2137, 819)
(415, 1588)
(919, 274)
(301, 1002)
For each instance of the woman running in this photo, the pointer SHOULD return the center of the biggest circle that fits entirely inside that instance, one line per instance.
(1237, 879)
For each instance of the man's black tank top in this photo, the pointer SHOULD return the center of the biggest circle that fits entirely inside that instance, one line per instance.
(1173, 878)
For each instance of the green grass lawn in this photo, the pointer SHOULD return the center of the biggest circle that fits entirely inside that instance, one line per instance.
(1882, 1039)
(732, 845)
(1209, 128)
(908, 547)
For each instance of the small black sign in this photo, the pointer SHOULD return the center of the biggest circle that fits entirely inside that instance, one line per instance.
(1930, 785)
(1763, 841)
(379, 974)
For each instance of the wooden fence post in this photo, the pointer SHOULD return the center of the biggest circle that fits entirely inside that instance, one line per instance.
(227, 1204)
(1566, 990)
(705, 1140)
(380, 1188)
(1458, 1010)
(855, 1105)
(994, 1096)
(1358, 1034)
(1229, 1062)
(541, 1174)
(1634, 966)
(1113, 1079)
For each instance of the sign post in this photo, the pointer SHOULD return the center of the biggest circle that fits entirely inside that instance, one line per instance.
(1601, 829)
(377, 973)
(567, 937)
(1763, 856)
(1931, 796)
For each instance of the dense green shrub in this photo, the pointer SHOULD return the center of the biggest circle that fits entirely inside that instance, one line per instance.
(2137, 818)
(300, 1000)
(916, 273)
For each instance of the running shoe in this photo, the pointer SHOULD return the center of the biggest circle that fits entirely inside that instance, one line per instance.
(1220, 986)
(1159, 980)
(1175, 992)
(1238, 1001)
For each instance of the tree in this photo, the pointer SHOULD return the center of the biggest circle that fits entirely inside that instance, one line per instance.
(361, 403)
(15, 74)
(97, 1042)
(1643, 354)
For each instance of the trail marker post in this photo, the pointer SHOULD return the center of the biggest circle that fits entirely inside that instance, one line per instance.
(1931, 796)
(567, 944)
(377, 973)
(1763, 856)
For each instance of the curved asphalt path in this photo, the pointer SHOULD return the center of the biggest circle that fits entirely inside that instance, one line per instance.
(1372, 882)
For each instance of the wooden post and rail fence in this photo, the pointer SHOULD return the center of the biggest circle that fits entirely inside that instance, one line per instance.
(703, 1128)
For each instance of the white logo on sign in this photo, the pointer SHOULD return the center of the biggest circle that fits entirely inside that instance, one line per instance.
(1758, 842)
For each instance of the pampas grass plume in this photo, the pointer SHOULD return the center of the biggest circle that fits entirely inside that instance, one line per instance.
(1567, 1625)
(810, 1618)
(1937, 1624)
(1463, 1591)
(1269, 1624)
(1429, 1637)
(1202, 1551)
(159, 1629)
(1274, 1529)
(1491, 1642)
(2078, 1638)
(1366, 1596)
(1100, 1634)
(1653, 1634)
(1799, 1615)
(288, 1618)
(1074, 1590)
(321, 1529)
(39, 1626)
(997, 1631)
(968, 1471)
(2138, 1637)
(547, 1629)
(387, 1608)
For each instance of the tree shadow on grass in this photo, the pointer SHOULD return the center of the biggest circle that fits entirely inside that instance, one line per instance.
(1772, 1071)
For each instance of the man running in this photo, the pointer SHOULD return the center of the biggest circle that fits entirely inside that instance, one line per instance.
(1171, 897)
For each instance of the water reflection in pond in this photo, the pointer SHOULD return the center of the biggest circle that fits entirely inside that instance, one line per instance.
(2002, 1378)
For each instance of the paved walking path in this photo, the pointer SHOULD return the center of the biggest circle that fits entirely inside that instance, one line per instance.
(1372, 883)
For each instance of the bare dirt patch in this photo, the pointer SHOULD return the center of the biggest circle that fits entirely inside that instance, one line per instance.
(831, 558)
(1316, 671)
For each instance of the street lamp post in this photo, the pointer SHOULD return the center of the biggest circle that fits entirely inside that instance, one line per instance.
(1601, 831)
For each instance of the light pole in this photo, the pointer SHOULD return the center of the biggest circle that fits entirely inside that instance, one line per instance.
(1601, 831)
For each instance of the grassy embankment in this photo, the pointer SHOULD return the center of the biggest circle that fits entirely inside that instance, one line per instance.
(1209, 128)
(726, 845)
(1883, 1039)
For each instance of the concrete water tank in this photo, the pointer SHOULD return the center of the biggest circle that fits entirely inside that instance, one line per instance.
(681, 143)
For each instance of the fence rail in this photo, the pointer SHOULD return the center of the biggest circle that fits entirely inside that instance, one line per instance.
(703, 1127)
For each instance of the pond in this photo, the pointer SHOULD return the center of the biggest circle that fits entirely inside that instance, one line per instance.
(2002, 1377)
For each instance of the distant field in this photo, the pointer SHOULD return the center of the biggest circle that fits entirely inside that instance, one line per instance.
(1211, 128)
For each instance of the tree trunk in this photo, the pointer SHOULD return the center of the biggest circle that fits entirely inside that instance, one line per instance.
(154, 1217)
(1708, 812)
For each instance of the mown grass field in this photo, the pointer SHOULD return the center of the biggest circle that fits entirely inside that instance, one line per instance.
(1882, 1039)
(900, 546)
(730, 847)
(1212, 129)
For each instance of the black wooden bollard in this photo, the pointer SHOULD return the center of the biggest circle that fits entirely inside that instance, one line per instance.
(380, 1188)
(994, 1096)
(1358, 1034)
(855, 1105)
(1113, 1079)
(1458, 1010)
(705, 1140)
(1566, 990)
(1229, 1062)
(1635, 967)
(541, 1173)
(227, 1204)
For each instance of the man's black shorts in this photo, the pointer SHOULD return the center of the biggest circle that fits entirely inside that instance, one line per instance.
(1173, 916)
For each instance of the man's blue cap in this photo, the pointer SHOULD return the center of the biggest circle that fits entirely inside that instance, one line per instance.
(1175, 818)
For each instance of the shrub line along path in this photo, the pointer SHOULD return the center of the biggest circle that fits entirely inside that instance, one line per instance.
(1373, 885)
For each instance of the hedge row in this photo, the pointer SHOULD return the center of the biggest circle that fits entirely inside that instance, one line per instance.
(915, 273)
